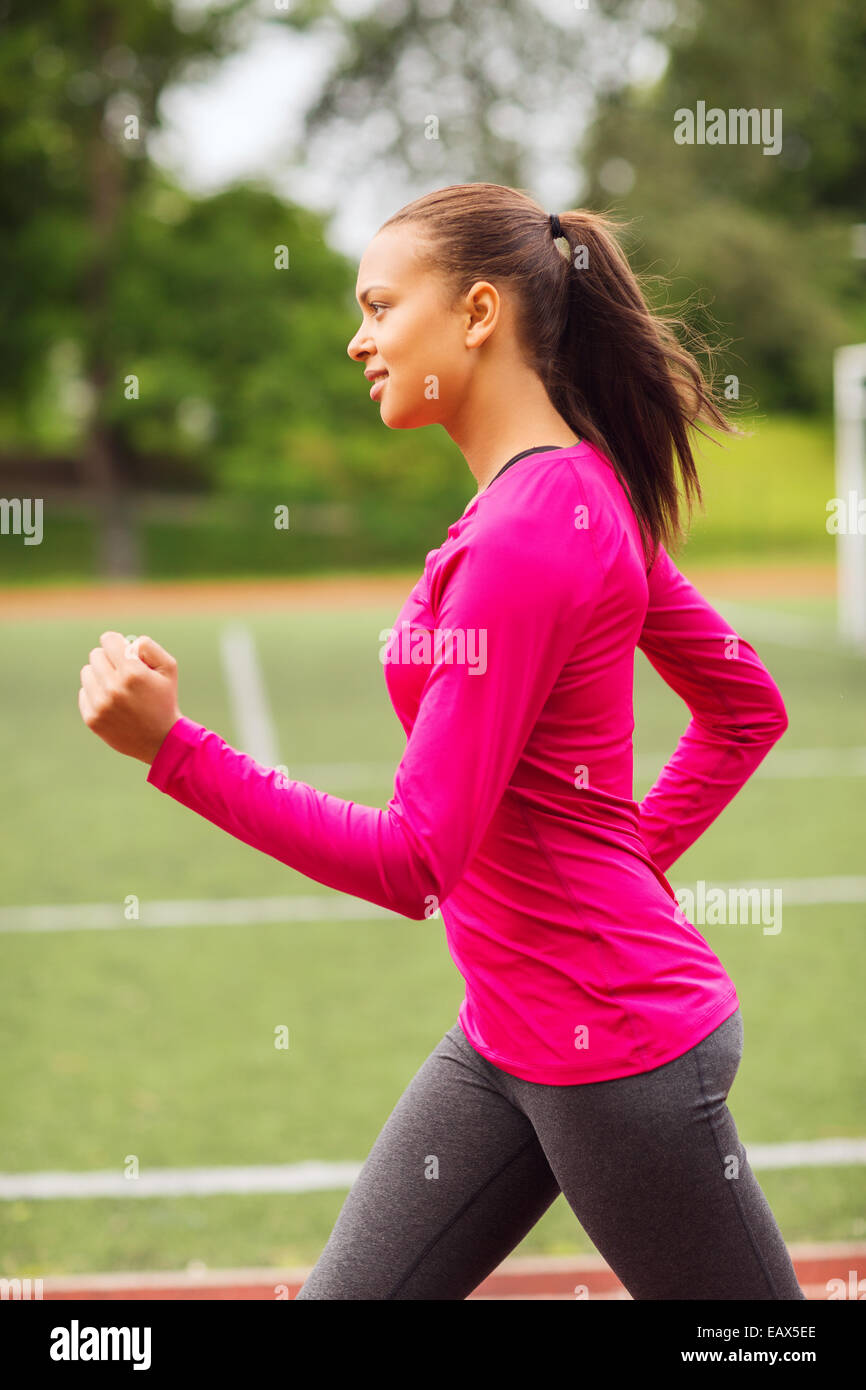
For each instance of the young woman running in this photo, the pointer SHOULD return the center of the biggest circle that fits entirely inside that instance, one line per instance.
(599, 1034)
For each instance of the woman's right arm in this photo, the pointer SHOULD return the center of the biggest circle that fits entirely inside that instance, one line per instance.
(736, 707)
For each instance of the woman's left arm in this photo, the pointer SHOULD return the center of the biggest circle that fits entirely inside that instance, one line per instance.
(527, 600)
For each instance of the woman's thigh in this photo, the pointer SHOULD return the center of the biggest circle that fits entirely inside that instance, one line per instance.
(452, 1184)
(655, 1172)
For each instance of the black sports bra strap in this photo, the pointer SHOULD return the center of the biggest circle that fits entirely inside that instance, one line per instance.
(539, 449)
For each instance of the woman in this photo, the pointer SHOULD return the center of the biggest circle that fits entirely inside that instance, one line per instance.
(599, 1034)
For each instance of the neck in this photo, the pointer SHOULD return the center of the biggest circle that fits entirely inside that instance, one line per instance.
(495, 424)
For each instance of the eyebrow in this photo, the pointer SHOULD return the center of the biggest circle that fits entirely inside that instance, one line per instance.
(364, 295)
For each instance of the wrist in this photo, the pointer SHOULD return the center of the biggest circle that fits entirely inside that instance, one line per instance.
(148, 755)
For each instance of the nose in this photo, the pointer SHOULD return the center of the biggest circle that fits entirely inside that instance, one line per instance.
(354, 349)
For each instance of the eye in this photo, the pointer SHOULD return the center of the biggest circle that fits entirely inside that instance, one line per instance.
(378, 306)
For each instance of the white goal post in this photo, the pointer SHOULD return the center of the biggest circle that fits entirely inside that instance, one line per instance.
(849, 391)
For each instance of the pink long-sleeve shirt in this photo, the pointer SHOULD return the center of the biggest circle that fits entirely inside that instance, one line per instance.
(511, 667)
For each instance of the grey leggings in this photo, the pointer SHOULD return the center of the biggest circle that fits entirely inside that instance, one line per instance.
(471, 1157)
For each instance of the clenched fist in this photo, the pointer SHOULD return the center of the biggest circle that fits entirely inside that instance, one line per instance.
(128, 694)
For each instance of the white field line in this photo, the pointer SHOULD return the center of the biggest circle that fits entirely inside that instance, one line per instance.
(315, 1176)
(220, 912)
(194, 912)
(247, 695)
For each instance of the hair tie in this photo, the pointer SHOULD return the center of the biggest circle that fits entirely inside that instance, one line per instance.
(560, 240)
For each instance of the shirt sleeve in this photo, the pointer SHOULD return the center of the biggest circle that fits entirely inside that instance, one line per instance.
(737, 711)
(519, 608)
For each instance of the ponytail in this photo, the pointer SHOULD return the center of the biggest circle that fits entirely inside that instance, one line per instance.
(613, 369)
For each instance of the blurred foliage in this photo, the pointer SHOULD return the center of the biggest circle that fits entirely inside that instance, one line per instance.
(110, 271)
(243, 376)
(761, 244)
(71, 73)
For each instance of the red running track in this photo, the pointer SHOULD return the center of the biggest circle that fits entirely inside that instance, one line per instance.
(519, 1277)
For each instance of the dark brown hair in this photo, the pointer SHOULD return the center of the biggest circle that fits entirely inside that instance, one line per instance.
(613, 368)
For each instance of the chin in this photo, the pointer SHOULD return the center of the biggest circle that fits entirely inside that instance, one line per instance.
(406, 419)
(395, 421)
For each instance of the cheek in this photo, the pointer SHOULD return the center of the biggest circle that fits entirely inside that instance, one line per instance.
(425, 355)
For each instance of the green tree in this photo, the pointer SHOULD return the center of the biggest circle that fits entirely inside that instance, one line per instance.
(470, 90)
(80, 82)
(764, 242)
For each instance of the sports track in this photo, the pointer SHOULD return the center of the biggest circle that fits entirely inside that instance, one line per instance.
(823, 1271)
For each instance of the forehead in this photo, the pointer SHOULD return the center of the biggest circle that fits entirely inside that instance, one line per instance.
(390, 261)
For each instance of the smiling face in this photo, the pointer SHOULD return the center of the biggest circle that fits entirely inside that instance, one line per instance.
(412, 331)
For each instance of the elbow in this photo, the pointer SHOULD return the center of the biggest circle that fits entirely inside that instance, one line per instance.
(415, 889)
(422, 878)
(766, 726)
(416, 908)
(776, 721)
(422, 899)
(423, 893)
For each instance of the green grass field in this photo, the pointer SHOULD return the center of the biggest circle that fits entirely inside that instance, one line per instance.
(160, 1042)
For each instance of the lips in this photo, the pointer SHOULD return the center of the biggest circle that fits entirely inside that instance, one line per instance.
(378, 386)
